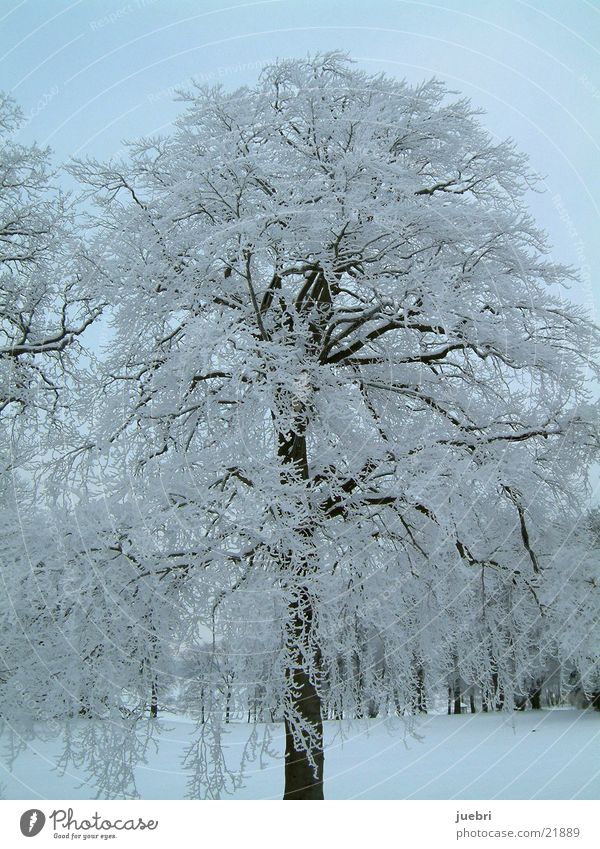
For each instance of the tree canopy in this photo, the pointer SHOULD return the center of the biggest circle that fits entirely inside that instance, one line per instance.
(344, 414)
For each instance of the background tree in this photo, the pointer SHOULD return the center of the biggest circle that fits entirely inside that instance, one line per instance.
(44, 309)
(43, 306)
(576, 602)
(343, 373)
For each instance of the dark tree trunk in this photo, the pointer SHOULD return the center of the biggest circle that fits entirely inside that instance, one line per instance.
(358, 679)
(472, 702)
(399, 707)
(421, 697)
(303, 701)
(303, 768)
(499, 697)
(150, 664)
(302, 779)
(457, 688)
(228, 700)
(372, 709)
(535, 698)
(154, 701)
(485, 705)
(457, 699)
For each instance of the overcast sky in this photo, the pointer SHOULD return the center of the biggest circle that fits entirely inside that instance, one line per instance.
(91, 73)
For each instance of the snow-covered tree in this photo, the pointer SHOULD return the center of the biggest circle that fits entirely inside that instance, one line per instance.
(344, 375)
(576, 610)
(44, 307)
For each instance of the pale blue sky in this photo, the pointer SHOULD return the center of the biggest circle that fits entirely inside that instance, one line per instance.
(91, 73)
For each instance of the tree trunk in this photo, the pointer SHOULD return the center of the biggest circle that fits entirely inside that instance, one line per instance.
(457, 699)
(302, 779)
(154, 701)
(229, 680)
(535, 698)
(457, 688)
(499, 698)
(302, 709)
(303, 766)
(421, 696)
(151, 665)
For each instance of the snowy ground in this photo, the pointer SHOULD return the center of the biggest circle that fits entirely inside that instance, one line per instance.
(552, 754)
